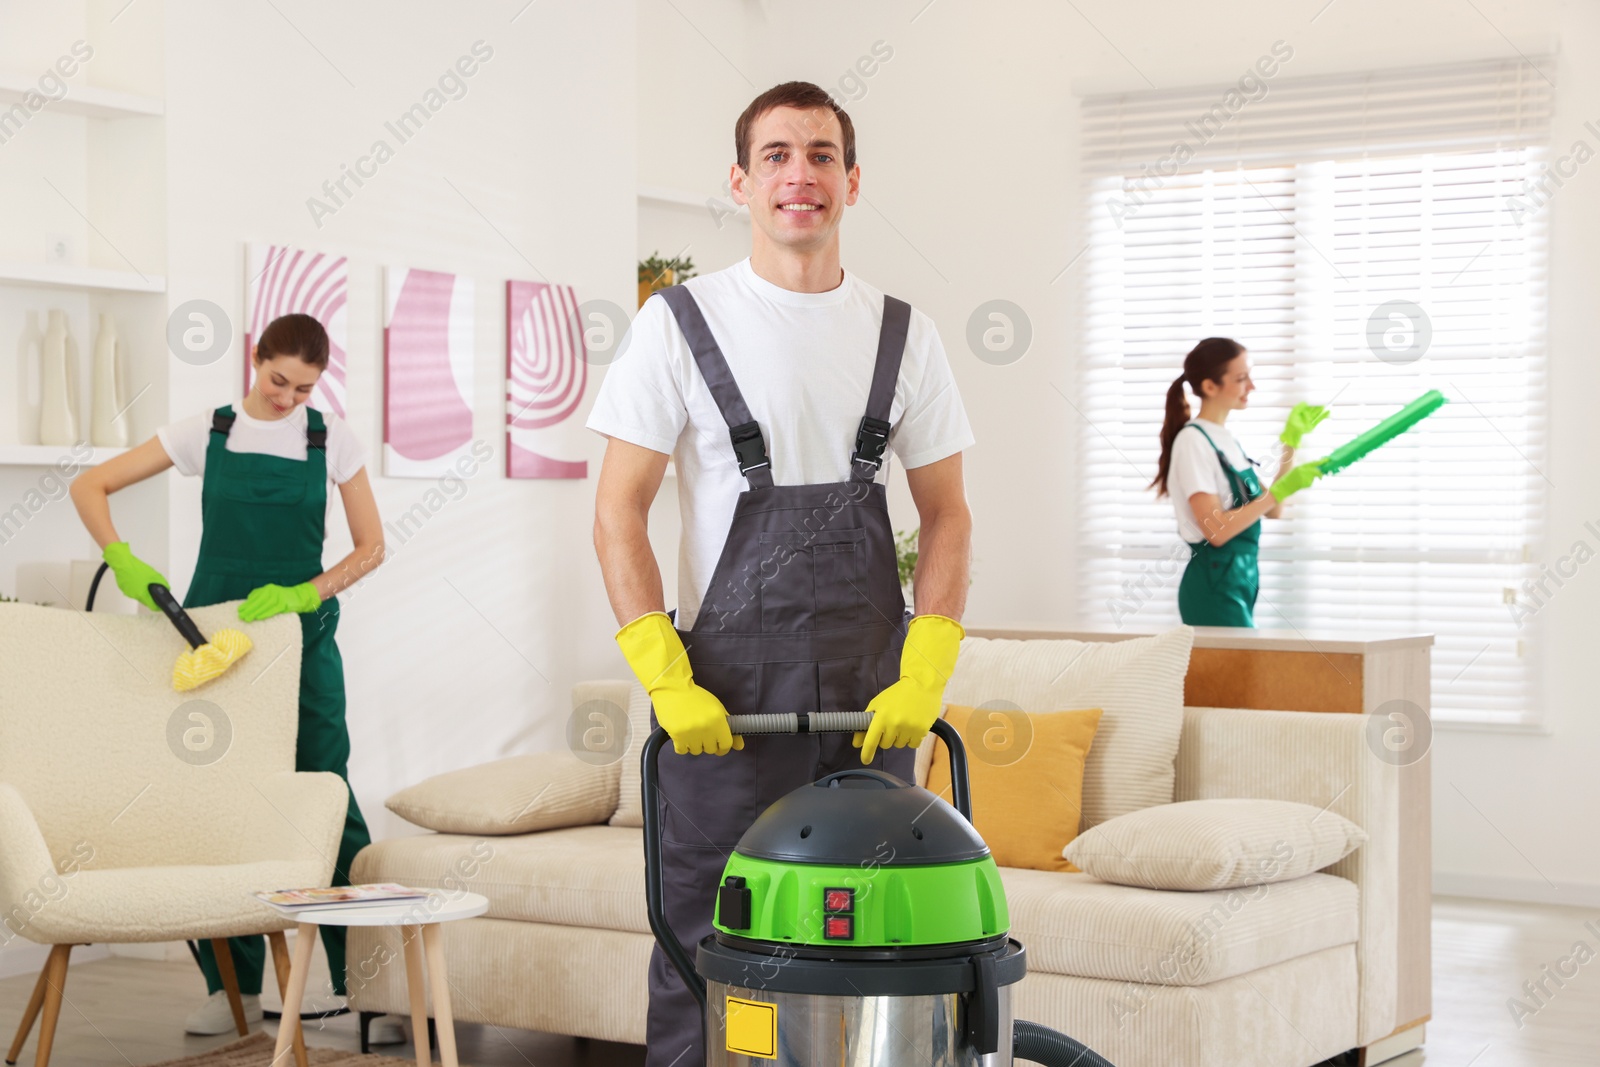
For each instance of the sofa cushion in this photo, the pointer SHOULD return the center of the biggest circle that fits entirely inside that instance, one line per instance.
(1076, 924)
(1215, 844)
(1138, 683)
(582, 876)
(541, 791)
(1026, 772)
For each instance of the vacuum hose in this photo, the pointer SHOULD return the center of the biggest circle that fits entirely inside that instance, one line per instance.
(1039, 1044)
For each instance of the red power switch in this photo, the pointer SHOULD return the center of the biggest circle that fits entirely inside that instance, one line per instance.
(838, 928)
(838, 900)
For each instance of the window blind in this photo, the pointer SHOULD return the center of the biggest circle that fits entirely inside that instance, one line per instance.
(1367, 238)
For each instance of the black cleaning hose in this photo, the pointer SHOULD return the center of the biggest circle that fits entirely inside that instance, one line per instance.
(1040, 1044)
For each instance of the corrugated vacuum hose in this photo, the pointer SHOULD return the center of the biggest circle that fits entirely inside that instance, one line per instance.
(1039, 1044)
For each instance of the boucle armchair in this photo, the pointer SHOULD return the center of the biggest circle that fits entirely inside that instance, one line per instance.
(130, 812)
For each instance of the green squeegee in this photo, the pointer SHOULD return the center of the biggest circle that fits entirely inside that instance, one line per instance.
(1384, 432)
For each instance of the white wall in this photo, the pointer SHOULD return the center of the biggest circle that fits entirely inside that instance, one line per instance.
(464, 646)
(969, 174)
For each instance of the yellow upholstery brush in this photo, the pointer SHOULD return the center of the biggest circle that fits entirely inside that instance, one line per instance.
(205, 660)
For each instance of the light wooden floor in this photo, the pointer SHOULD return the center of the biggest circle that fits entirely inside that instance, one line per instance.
(124, 1011)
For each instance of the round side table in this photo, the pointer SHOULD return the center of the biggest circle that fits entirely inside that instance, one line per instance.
(419, 931)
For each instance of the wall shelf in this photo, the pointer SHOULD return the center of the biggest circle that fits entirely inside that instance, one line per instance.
(50, 455)
(61, 276)
(659, 194)
(82, 100)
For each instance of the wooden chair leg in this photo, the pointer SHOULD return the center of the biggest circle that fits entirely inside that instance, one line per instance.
(280, 964)
(30, 1015)
(230, 982)
(55, 981)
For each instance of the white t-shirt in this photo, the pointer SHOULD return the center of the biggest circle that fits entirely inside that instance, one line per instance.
(803, 362)
(186, 441)
(1195, 469)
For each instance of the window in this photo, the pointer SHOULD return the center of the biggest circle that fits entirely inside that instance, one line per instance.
(1368, 238)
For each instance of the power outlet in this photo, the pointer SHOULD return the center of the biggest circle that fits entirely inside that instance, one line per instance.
(59, 249)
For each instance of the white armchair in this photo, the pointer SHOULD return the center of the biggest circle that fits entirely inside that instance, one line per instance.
(130, 812)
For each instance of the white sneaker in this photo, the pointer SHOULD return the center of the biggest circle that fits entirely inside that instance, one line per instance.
(386, 1030)
(216, 1017)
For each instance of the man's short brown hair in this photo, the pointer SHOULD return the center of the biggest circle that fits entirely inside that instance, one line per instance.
(802, 95)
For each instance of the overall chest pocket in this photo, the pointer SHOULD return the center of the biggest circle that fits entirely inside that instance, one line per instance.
(812, 581)
(276, 481)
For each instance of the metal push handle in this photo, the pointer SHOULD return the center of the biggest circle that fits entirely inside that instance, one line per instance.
(762, 723)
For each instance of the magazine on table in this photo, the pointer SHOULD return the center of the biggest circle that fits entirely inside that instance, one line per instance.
(341, 896)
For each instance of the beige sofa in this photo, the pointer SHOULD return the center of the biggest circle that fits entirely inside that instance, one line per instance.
(1286, 976)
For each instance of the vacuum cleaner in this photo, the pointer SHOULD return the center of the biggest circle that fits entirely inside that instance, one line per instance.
(860, 921)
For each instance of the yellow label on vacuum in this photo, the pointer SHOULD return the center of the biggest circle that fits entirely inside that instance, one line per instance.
(753, 1028)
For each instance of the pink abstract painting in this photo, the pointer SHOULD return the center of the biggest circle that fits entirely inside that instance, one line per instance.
(547, 371)
(427, 371)
(285, 280)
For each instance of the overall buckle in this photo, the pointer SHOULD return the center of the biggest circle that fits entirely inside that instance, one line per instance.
(750, 447)
(871, 439)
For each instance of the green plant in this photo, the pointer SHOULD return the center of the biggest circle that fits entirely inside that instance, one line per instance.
(654, 269)
(905, 554)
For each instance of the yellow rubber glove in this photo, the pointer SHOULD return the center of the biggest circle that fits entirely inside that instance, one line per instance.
(694, 717)
(904, 713)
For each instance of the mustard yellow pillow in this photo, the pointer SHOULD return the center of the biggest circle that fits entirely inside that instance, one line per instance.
(1027, 779)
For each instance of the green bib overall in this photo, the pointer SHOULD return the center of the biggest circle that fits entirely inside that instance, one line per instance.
(263, 522)
(1220, 584)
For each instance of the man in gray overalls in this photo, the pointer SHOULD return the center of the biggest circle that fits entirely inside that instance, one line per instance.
(779, 386)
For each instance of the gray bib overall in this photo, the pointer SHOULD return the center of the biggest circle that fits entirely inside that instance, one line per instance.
(804, 613)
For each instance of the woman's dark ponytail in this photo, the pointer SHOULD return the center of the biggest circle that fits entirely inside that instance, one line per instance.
(1205, 362)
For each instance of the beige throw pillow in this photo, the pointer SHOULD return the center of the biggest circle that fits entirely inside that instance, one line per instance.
(1138, 683)
(518, 795)
(630, 808)
(1215, 844)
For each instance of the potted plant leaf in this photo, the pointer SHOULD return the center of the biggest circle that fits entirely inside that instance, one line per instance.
(657, 273)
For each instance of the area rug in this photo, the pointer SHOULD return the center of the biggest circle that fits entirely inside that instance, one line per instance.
(256, 1051)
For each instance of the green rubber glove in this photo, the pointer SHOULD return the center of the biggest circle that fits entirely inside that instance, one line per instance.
(1302, 420)
(904, 713)
(1297, 479)
(134, 576)
(265, 601)
(693, 717)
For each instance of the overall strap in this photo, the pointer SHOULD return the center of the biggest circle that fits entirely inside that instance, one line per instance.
(872, 436)
(316, 449)
(1241, 494)
(223, 418)
(748, 445)
(316, 430)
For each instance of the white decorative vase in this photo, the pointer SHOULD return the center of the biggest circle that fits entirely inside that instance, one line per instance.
(27, 383)
(108, 423)
(58, 386)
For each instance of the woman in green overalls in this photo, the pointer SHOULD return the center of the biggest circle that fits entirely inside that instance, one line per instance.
(1217, 497)
(267, 463)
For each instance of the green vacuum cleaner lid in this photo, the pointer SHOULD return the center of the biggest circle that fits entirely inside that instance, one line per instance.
(861, 859)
